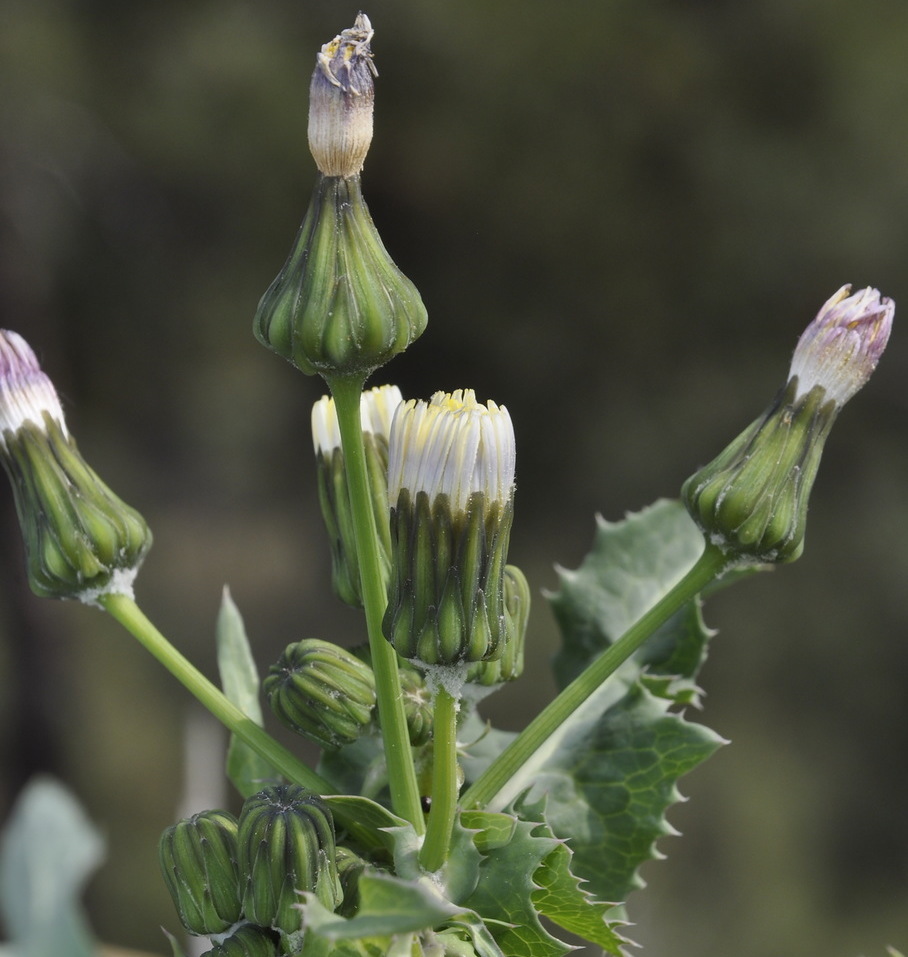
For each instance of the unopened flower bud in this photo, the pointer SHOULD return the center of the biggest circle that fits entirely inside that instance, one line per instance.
(286, 846)
(322, 692)
(199, 862)
(751, 501)
(491, 674)
(340, 307)
(81, 541)
(350, 867)
(418, 706)
(376, 411)
(248, 940)
(451, 485)
(341, 97)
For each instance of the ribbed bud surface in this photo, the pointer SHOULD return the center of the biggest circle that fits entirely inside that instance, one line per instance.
(286, 845)
(321, 691)
(517, 612)
(248, 940)
(81, 540)
(199, 862)
(339, 306)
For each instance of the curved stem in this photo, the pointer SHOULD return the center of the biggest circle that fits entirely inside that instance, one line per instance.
(133, 619)
(445, 786)
(391, 715)
(485, 790)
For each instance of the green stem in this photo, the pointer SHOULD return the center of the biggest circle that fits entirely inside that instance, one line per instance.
(133, 619)
(445, 785)
(347, 394)
(485, 790)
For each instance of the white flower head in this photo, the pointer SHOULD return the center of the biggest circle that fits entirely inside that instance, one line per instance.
(841, 347)
(26, 393)
(454, 446)
(376, 410)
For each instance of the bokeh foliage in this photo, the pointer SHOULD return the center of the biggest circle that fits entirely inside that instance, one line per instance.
(620, 216)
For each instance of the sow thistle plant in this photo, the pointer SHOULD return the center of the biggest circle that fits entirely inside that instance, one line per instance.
(423, 830)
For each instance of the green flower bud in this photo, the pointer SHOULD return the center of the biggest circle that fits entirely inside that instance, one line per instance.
(81, 541)
(491, 674)
(286, 846)
(417, 706)
(339, 306)
(451, 477)
(248, 940)
(751, 501)
(376, 410)
(349, 868)
(199, 862)
(322, 692)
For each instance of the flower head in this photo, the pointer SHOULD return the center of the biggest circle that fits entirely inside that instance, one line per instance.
(453, 446)
(81, 541)
(451, 490)
(841, 347)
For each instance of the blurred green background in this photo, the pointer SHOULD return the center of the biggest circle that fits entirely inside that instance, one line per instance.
(620, 215)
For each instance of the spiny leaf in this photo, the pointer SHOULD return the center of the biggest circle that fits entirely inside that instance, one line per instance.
(240, 681)
(563, 901)
(503, 897)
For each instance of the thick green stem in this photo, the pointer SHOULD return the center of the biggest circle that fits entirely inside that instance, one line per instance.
(133, 619)
(391, 715)
(445, 785)
(485, 791)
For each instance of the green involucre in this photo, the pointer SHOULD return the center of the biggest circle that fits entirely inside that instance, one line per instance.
(78, 533)
(339, 306)
(199, 862)
(751, 500)
(321, 691)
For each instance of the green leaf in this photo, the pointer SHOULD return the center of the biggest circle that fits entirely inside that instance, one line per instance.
(503, 897)
(240, 680)
(631, 566)
(47, 852)
(610, 772)
(561, 898)
(388, 906)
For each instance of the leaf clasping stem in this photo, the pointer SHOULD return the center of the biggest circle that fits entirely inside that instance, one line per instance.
(485, 790)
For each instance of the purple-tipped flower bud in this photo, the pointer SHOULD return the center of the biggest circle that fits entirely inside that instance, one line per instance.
(376, 412)
(322, 692)
(839, 350)
(451, 485)
(81, 541)
(751, 501)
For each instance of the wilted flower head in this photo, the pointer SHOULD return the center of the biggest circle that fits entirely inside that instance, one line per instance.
(841, 347)
(81, 541)
(451, 490)
(341, 97)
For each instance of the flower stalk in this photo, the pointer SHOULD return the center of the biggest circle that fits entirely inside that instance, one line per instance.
(391, 715)
(510, 773)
